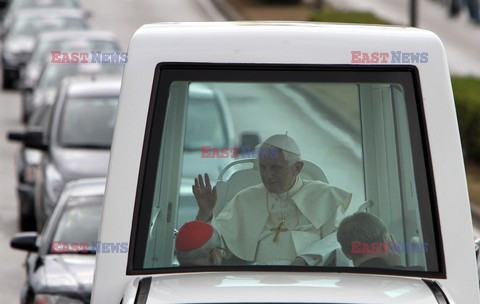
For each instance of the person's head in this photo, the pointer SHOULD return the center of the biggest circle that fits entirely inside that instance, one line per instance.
(280, 163)
(359, 229)
(198, 244)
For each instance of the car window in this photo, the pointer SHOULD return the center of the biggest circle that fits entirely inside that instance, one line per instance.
(359, 132)
(40, 117)
(79, 221)
(53, 73)
(31, 26)
(88, 122)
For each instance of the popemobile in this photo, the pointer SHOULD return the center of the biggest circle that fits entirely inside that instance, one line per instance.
(361, 196)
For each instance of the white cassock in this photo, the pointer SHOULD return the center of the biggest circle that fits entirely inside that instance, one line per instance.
(274, 229)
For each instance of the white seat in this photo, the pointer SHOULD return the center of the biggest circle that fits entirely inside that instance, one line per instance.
(247, 174)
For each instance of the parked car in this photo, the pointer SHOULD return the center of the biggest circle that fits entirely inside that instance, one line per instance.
(19, 37)
(52, 75)
(62, 41)
(371, 106)
(27, 161)
(61, 259)
(77, 142)
(19, 5)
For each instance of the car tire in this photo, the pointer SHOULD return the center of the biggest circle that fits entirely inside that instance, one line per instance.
(7, 82)
(27, 221)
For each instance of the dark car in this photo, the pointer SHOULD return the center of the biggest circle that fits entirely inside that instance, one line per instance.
(61, 260)
(67, 42)
(19, 38)
(77, 141)
(27, 161)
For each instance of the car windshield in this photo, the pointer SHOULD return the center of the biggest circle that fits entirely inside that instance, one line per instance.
(43, 49)
(88, 122)
(341, 180)
(32, 26)
(42, 3)
(54, 73)
(40, 117)
(79, 224)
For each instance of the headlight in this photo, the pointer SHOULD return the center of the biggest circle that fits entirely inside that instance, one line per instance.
(53, 183)
(31, 76)
(55, 299)
(32, 160)
(29, 174)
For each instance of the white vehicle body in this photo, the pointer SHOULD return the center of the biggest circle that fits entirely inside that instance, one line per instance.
(303, 45)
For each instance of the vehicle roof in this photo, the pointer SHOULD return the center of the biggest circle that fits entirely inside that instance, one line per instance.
(103, 85)
(50, 12)
(253, 42)
(76, 34)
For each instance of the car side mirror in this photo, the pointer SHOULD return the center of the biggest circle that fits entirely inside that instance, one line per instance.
(88, 14)
(31, 139)
(16, 136)
(25, 241)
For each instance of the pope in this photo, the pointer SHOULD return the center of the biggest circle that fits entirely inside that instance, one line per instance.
(285, 219)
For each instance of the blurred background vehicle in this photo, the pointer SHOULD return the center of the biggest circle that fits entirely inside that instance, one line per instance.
(59, 269)
(19, 37)
(53, 74)
(26, 163)
(77, 141)
(19, 5)
(66, 42)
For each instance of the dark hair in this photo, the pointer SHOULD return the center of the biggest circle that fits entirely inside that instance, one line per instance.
(363, 227)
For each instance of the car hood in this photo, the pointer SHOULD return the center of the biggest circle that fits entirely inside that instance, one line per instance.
(276, 287)
(20, 44)
(69, 273)
(81, 163)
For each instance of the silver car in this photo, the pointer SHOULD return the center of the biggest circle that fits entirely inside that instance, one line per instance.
(19, 37)
(65, 42)
(61, 260)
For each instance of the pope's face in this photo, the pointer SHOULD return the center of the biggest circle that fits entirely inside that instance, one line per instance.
(277, 175)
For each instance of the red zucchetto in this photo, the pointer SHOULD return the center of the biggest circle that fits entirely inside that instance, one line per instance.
(193, 235)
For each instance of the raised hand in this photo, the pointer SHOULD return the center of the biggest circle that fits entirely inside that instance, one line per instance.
(206, 197)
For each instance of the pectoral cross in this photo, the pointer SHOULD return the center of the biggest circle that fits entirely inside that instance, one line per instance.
(279, 228)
